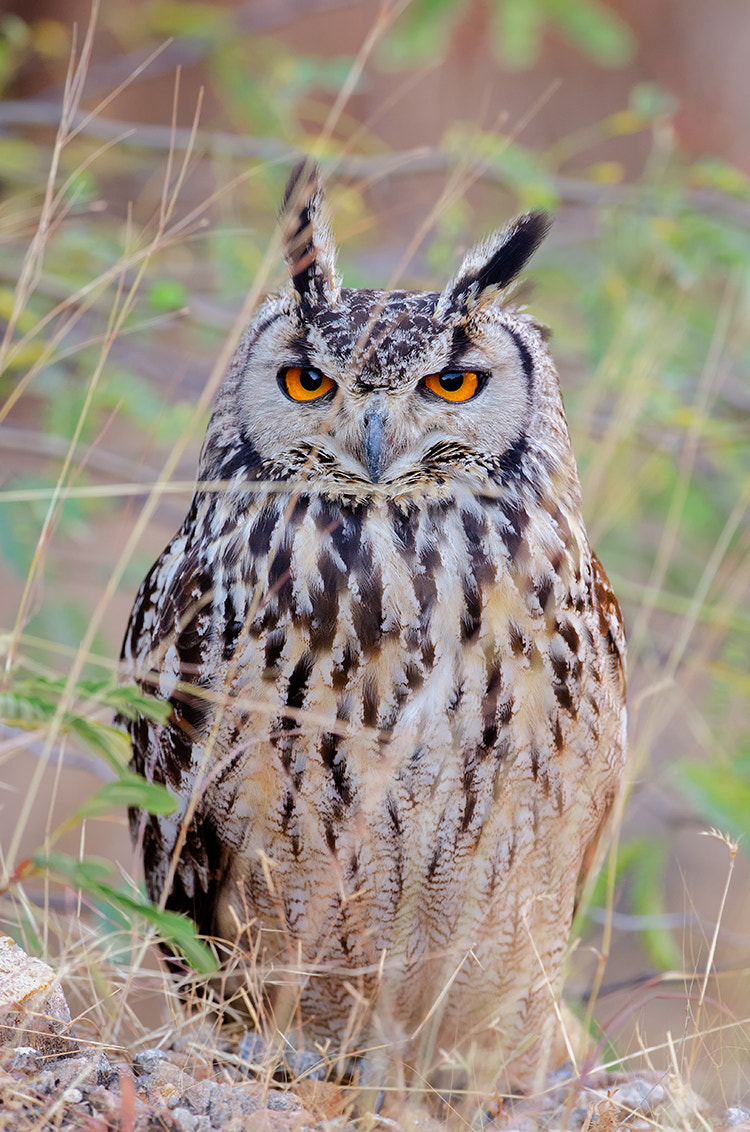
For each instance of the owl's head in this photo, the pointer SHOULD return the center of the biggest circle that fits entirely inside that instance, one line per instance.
(369, 392)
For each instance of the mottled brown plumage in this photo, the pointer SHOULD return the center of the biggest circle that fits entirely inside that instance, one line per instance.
(394, 663)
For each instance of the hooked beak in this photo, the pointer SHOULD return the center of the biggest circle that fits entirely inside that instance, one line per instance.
(375, 442)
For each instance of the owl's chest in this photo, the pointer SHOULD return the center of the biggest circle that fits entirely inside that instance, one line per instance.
(366, 639)
(399, 698)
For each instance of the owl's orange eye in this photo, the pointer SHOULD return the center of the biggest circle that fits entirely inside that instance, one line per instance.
(302, 383)
(454, 384)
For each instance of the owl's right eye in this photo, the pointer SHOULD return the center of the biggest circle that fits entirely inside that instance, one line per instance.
(303, 383)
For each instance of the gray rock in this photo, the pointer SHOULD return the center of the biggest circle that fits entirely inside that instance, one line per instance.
(252, 1048)
(735, 1115)
(289, 1063)
(103, 1070)
(26, 1059)
(283, 1102)
(146, 1060)
(188, 1121)
(639, 1095)
(34, 1011)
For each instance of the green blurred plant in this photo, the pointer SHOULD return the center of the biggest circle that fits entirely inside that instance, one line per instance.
(50, 710)
(517, 29)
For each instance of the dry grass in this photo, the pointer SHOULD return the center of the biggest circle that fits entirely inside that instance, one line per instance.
(696, 1016)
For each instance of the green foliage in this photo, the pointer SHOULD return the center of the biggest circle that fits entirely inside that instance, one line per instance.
(424, 32)
(91, 876)
(641, 863)
(15, 41)
(38, 704)
(41, 704)
(522, 170)
(518, 28)
(721, 795)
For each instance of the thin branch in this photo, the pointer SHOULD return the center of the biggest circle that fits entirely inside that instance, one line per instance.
(396, 163)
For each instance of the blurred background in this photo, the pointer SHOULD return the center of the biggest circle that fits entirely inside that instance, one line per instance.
(138, 192)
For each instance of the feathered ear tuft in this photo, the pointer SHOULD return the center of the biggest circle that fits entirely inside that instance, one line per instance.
(308, 245)
(490, 266)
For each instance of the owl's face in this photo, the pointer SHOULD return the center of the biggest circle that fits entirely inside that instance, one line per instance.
(387, 388)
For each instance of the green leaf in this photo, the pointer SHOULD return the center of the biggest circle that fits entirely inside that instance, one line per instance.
(186, 20)
(90, 875)
(647, 898)
(423, 32)
(79, 872)
(167, 295)
(175, 929)
(594, 29)
(520, 168)
(720, 794)
(720, 175)
(109, 742)
(517, 32)
(33, 703)
(643, 861)
(649, 102)
(129, 701)
(129, 790)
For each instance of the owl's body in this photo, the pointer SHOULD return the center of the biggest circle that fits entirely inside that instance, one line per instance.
(395, 667)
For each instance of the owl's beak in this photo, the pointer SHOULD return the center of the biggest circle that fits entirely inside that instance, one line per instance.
(376, 444)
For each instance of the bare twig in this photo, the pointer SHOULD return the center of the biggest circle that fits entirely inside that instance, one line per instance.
(370, 167)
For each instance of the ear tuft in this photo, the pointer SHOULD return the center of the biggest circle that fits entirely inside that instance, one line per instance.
(308, 245)
(492, 265)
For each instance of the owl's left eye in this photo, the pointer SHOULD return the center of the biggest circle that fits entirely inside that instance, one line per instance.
(454, 384)
(303, 383)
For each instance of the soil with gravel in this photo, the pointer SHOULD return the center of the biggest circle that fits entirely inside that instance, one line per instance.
(157, 1090)
(169, 1091)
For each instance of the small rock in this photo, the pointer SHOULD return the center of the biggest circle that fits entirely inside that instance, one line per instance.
(168, 1077)
(283, 1102)
(74, 1072)
(46, 1083)
(305, 1063)
(146, 1060)
(105, 1103)
(198, 1096)
(26, 1060)
(287, 1063)
(266, 1120)
(103, 1070)
(736, 1115)
(186, 1120)
(32, 1004)
(252, 1047)
(639, 1095)
(72, 1096)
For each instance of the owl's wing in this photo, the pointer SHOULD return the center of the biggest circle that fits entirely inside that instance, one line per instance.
(612, 632)
(165, 652)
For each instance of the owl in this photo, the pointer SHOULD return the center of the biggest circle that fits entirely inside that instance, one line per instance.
(395, 670)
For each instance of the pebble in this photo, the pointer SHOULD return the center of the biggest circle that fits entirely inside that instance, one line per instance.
(289, 1063)
(146, 1060)
(26, 1060)
(188, 1121)
(639, 1095)
(736, 1115)
(103, 1070)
